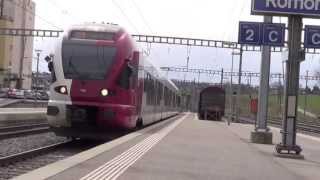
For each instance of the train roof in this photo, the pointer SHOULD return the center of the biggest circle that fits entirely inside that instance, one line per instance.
(213, 89)
(155, 71)
(98, 27)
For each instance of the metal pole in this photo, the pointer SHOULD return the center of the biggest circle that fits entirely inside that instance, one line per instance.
(288, 143)
(221, 77)
(37, 75)
(264, 86)
(305, 95)
(231, 89)
(280, 93)
(239, 86)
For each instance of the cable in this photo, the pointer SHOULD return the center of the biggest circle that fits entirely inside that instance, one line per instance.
(33, 13)
(230, 19)
(236, 22)
(142, 16)
(63, 11)
(124, 14)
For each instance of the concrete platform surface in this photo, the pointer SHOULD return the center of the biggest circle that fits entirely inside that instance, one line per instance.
(16, 115)
(22, 110)
(192, 149)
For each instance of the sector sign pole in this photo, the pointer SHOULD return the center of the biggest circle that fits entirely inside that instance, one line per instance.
(295, 10)
(288, 143)
(266, 34)
(262, 115)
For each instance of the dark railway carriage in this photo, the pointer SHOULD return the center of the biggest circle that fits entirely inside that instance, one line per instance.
(211, 103)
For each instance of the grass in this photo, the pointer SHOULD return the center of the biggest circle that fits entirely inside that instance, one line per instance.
(275, 109)
(313, 103)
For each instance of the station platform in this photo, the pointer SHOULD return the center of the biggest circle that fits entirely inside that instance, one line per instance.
(20, 115)
(183, 149)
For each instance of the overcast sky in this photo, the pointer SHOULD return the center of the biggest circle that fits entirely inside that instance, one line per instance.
(209, 19)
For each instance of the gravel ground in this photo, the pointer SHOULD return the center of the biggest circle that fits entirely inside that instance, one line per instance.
(21, 144)
(31, 164)
(23, 167)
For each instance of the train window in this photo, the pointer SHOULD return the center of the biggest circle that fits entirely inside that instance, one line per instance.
(172, 99)
(150, 90)
(145, 84)
(166, 96)
(159, 93)
(169, 98)
(125, 77)
(86, 62)
(153, 92)
(92, 35)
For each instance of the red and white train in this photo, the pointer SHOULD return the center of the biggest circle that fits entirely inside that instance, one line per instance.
(103, 84)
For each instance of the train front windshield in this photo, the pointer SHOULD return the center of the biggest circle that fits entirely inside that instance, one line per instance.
(87, 62)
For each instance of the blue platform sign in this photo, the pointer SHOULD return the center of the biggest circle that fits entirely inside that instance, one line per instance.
(273, 34)
(312, 37)
(309, 8)
(249, 33)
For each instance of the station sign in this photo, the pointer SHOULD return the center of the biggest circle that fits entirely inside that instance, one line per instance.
(255, 33)
(306, 8)
(250, 33)
(312, 37)
(273, 34)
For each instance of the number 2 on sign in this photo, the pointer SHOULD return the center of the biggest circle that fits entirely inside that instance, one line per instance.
(249, 35)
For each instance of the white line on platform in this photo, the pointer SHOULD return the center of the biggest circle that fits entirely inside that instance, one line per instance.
(117, 166)
(55, 168)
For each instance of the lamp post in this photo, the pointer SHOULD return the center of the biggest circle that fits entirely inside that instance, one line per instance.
(231, 86)
(37, 74)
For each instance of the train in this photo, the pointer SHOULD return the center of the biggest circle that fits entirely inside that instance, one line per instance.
(103, 83)
(212, 103)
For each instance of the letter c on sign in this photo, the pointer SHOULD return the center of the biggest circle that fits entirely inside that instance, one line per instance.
(316, 38)
(273, 36)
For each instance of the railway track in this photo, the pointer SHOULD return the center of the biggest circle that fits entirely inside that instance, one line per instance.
(17, 164)
(22, 130)
(302, 126)
(31, 153)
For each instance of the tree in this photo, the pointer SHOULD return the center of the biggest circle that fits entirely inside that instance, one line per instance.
(316, 89)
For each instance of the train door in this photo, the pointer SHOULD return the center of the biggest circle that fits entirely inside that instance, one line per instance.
(135, 85)
(158, 100)
(162, 102)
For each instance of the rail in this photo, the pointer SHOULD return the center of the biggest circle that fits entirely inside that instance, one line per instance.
(31, 153)
(17, 131)
(302, 126)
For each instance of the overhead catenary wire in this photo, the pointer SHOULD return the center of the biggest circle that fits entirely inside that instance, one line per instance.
(225, 35)
(125, 15)
(142, 16)
(236, 22)
(63, 11)
(36, 15)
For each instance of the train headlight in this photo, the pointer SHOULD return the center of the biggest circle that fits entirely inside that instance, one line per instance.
(63, 90)
(104, 92)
